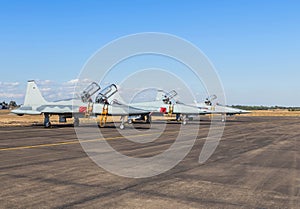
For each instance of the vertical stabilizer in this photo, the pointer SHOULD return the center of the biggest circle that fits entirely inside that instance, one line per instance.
(33, 95)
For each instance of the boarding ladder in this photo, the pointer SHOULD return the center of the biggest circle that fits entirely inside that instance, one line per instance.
(171, 107)
(89, 110)
(103, 116)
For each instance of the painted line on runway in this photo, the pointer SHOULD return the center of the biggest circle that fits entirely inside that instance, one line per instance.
(77, 141)
(29, 130)
(65, 143)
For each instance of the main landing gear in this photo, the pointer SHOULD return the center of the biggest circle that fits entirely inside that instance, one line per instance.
(122, 125)
(223, 117)
(47, 123)
(76, 122)
(182, 118)
(62, 119)
(148, 119)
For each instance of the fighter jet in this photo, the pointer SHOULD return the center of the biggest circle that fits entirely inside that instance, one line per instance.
(164, 104)
(220, 109)
(106, 105)
(167, 104)
(79, 107)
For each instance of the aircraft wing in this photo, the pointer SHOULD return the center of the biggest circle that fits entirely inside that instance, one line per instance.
(220, 109)
(119, 109)
(189, 109)
(229, 110)
(25, 111)
(178, 108)
(50, 108)
(116, 110)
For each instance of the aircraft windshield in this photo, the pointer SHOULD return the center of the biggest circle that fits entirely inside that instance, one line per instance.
(106, 90)
(106, 93)
(209, 100)
(168, 96)
(89, 91)
(171, 94)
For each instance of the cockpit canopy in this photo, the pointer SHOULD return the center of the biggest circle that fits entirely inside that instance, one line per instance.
(89, 91)
(106, 93)
(168, 96)
(208, 100)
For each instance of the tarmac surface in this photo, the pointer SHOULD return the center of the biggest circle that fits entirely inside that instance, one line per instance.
(256, 165)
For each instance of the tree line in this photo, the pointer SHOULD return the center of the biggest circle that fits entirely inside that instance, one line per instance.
(261, 107)
(10, 105)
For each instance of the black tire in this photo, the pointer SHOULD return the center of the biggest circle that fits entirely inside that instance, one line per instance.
(149, 119)
(48, 125)
(76, 122)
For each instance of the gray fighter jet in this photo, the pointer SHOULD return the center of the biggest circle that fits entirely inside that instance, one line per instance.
(166, 103)
(82, 106)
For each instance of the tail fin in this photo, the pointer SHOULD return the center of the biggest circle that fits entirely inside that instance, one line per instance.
(33, 95)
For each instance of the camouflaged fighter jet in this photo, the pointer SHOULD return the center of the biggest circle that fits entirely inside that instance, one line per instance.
(166, 103)
(220, 109)
(83, 106)
(106, 105)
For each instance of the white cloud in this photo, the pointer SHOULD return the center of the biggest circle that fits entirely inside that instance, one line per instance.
(47, 81)
(9, 84)
(73, 81)
(45, 89)
(44, 82)
(11, 95)
(76, 81)
(50, 90)
(13, 84)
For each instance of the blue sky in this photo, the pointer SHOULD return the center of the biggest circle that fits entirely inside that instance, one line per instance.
(254, 45)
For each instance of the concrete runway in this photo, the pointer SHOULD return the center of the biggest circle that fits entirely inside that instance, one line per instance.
(256, 165)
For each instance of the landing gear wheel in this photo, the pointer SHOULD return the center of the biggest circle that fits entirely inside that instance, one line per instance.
(100, 125)
(223, 118)
(184, 119)
(148, 119)
(122, 126)
(47, 125)
(130, 121)
(76, 122)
